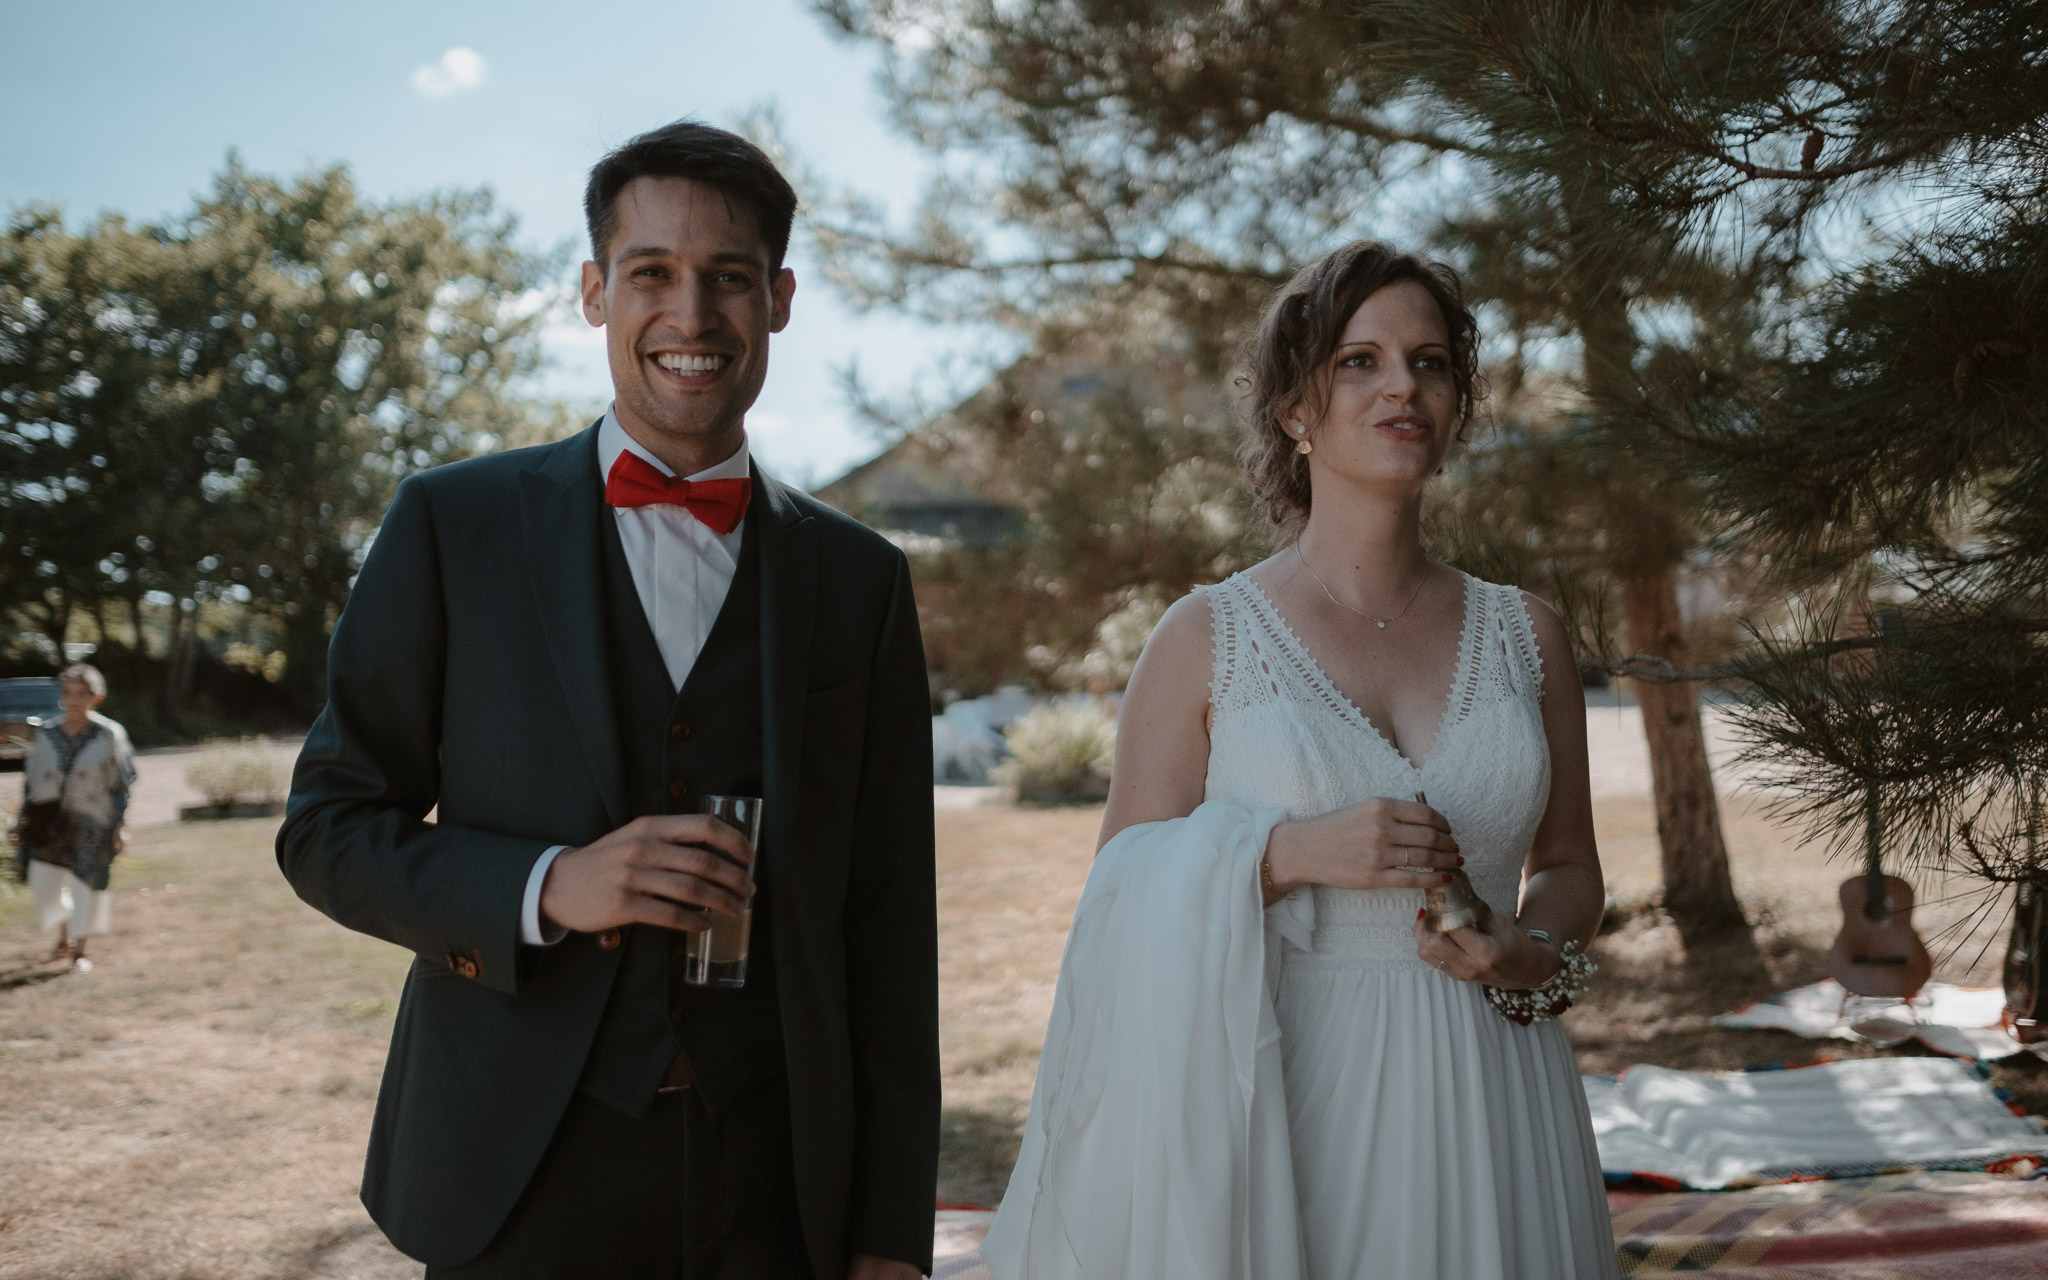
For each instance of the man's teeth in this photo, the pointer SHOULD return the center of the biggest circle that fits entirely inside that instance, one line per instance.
(691, 364)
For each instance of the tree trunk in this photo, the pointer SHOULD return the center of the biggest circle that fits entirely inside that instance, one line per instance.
(1697, 889)
(177, 666)
(57, 626)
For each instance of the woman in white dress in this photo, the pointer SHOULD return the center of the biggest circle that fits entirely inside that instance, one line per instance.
(1430, 1137)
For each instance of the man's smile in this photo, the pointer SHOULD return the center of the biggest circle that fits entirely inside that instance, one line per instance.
(690, 369)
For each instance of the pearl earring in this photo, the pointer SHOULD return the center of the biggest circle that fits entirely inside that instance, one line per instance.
(1303, 447)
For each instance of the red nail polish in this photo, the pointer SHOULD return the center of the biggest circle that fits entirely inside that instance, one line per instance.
(1446, 878)
(1461, 859)
(1421, 912)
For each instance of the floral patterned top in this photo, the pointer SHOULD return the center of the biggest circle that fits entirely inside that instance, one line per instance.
(91, 772)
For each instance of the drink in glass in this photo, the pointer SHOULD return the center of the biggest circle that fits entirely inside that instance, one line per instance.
(716, 955)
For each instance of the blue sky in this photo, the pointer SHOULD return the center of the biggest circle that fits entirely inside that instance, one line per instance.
(132, 107)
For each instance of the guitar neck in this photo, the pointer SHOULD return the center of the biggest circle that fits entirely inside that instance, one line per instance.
(1874, 906)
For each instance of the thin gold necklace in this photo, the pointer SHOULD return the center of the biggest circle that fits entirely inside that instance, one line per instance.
(1381, 623)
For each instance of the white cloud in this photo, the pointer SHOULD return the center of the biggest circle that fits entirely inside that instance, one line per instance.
(460, 68)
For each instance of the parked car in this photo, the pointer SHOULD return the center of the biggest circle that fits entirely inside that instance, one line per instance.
(25, 702)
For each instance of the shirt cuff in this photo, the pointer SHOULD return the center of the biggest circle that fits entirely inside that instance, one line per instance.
(532, 930)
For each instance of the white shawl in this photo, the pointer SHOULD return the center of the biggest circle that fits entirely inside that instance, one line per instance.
(1157, 1144)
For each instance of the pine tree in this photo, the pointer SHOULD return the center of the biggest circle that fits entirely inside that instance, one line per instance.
(1153, 157)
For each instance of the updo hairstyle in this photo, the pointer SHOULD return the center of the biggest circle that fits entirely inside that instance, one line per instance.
(1286, 361)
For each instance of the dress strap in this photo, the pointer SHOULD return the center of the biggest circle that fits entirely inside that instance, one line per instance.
(1223, 631)
(1519, 635)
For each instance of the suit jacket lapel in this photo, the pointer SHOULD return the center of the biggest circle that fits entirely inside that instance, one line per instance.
(561, 512)
(789, 599)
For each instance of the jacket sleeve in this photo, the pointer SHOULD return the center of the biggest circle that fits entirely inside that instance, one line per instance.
(355, 843)
(892, 961)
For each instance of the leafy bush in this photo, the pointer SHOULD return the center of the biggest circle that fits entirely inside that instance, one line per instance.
(236, 773)
(1060, 752)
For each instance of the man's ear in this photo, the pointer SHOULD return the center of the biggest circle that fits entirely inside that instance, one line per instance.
(779, 293)
(593, 295)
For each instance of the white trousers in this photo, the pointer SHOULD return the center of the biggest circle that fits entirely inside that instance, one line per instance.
(59, 893)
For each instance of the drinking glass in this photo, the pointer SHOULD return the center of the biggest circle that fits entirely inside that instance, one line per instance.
(716, 956)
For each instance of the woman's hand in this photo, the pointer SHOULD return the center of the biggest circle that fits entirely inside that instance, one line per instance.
(1379, 844)
(1496, 953)
(121, 839)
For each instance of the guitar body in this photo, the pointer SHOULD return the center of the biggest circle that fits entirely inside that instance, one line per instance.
(1877, 953)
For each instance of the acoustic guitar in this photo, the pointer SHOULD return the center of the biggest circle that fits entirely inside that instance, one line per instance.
(1877, 953)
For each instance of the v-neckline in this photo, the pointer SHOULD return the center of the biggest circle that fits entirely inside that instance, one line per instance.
(1338, 698)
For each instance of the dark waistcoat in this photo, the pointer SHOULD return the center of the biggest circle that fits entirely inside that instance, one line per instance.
(704, 739)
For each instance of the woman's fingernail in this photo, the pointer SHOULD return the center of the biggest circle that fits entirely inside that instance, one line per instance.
(1446, 879)
(1421, 912)
(1461, 859)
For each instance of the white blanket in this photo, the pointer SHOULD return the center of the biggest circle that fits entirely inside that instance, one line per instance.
(1156, 1147)
(1718, 1129)
(1966, 1022)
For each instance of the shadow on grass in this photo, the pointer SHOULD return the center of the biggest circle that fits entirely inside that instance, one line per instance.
(31, 975)
(976, 1152)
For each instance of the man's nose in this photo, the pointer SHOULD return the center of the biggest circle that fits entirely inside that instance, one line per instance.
(690, 308)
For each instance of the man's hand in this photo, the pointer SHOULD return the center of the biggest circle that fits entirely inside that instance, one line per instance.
(866, 1266)
(665, 870)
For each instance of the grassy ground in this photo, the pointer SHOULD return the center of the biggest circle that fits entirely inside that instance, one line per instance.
(196, 1107)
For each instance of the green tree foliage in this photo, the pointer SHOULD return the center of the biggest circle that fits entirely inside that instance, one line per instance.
(218, 407)
(1895, 447)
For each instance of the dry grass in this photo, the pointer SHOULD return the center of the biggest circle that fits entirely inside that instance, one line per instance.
(197, 1107)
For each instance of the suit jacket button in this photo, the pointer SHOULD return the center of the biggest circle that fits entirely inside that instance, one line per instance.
(609, 939)
(463, 965)
(679, 731)
(677, 790)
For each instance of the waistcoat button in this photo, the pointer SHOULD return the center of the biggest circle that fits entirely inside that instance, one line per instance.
(679, 731)
(677, 790)
(609, 940)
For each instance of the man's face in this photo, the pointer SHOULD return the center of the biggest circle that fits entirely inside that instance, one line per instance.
(687, 301)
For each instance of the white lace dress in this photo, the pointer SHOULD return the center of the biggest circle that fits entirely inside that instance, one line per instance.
(1432, 1138)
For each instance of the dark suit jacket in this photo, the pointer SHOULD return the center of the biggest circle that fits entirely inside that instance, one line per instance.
(469, 671)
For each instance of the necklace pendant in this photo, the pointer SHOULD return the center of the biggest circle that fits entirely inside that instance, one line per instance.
(1381, 625)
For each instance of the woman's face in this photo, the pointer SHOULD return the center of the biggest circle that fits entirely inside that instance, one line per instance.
(1391, 405)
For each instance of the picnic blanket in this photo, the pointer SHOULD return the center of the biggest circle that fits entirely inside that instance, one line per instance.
(1964, 1022)
(1912, 1226)
(1711, 1130)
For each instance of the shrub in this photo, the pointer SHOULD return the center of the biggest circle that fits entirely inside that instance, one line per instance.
(1060, 753)
(237, 772)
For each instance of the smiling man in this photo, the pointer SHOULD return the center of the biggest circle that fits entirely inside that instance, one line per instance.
(563, 650)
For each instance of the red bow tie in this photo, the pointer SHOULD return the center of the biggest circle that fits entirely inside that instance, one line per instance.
(720, 504)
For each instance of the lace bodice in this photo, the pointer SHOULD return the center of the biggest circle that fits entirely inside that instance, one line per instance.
(1283, 736)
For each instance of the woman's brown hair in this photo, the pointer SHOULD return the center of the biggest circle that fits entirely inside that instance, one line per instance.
(1286, 360)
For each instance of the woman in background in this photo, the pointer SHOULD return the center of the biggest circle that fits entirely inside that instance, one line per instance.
(84, 763)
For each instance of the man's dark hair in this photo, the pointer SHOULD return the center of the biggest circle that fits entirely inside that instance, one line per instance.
(688, 149)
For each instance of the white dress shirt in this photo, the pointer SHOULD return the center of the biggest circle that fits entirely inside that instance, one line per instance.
(682, 569)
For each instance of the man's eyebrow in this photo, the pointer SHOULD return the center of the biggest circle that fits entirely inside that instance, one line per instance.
(739, 256)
